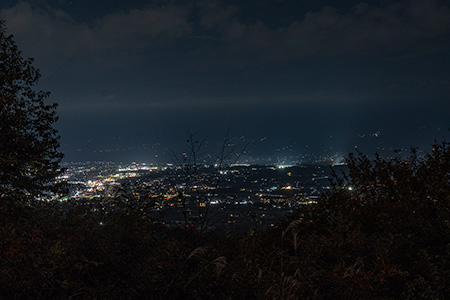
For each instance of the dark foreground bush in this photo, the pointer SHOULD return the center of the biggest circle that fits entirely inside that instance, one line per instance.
(382, 233)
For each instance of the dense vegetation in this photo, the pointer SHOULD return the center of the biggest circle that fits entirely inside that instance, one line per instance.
(29, 156)
(383, 232)
(386, 238)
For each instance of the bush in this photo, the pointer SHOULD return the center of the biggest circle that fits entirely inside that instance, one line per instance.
(388, 237)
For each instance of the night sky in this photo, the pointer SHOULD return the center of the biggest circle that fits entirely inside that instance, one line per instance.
(289, 77)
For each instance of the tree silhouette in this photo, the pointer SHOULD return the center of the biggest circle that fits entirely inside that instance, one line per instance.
(29, 156)
(382, 232)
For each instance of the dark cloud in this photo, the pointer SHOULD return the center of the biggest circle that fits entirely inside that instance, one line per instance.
(132, 31)
(364, 29)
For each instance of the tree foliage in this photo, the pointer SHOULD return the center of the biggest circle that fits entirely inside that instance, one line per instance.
(382, 233)
(29, 156)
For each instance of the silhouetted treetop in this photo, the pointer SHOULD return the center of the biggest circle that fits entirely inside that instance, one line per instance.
(29, 156)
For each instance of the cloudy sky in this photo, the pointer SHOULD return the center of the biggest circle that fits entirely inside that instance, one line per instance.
(289, 76)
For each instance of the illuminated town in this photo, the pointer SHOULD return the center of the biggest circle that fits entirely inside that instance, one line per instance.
(239, 196)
